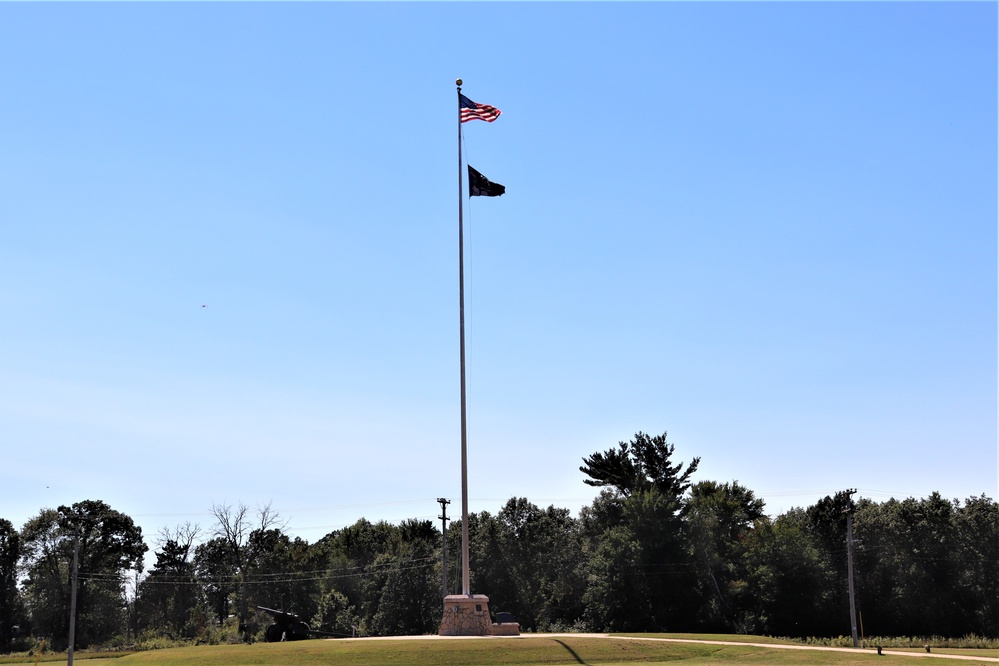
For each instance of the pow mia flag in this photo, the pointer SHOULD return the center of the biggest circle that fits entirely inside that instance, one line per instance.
(480, 186)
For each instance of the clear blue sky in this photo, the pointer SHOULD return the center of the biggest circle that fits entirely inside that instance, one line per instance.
(228, 263)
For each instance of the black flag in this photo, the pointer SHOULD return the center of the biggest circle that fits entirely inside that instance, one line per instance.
(480, 186)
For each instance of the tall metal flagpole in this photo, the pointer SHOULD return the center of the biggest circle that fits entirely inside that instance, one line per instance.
(465, 587)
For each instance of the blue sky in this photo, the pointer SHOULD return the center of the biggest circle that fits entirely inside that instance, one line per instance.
(228, 270)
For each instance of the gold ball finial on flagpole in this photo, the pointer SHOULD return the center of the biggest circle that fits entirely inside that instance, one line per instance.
(457, 82)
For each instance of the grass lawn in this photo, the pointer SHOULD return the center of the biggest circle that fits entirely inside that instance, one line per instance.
(526, 650)
(92, 658)
(992, 653)
(728, 638)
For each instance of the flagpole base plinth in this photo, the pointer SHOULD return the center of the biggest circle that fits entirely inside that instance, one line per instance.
(468, 615)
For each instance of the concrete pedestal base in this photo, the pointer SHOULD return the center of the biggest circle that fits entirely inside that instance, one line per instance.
(465, 615)
(468, 615)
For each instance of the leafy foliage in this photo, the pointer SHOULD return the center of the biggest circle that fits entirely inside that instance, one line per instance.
(639, 465)
(790, 577)
(720, 518)
(11, 607)
(110, 544)
(654, 551)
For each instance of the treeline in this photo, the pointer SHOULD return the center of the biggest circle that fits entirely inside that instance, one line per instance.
(653, 552)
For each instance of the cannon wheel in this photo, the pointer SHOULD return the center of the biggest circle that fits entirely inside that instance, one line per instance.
(301, 630)
(273, 633)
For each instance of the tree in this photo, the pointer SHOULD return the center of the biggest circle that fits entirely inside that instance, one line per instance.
(166, 598)
(10, 600)
(560, 569)
(639, 465)
(216, 573)
(920, 566)
(409, 599)
(640, 575)
(110, 544)
(402, 582)
(977, 525)
(826, 525)
(488, 570)
(617, 597)
(278, 568)
(790, 578)
(644, 496)
(347, 556)
(533, 560)
(233, 528)
(720, 516)
(543, 549)
(335, 615)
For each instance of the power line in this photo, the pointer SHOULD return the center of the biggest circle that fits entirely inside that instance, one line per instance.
(252, 580)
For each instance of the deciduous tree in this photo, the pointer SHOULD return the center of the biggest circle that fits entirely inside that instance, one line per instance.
(233, 526)
(719, 518)
(790, 579)
(169, 594)
(10, 599)
(110, 544)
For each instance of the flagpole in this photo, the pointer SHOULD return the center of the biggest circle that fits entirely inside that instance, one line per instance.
(465, 587)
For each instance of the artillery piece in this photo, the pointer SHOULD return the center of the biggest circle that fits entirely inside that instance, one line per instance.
(286, 627)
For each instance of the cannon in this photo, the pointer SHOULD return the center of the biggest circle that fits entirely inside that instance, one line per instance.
(286, 627)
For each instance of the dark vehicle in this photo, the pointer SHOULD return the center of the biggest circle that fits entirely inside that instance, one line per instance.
(286, 627)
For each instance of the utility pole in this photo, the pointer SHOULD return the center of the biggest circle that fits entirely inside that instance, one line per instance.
(849, 567)
(72, 597)
(133, 616)
(444, 502)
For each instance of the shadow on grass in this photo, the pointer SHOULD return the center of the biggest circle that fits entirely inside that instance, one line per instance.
(570, 651)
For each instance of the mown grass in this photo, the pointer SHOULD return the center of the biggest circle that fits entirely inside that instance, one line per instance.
(968, 646)
(92, 658)
(992, 653)
(527, 650)
(728, 638)
(523, 651)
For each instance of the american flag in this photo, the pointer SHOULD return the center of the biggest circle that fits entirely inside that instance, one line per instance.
(472, 111)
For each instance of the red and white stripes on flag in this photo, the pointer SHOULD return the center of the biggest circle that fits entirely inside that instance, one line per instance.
(472, 111)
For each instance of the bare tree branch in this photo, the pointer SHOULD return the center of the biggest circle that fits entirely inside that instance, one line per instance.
(183, 535)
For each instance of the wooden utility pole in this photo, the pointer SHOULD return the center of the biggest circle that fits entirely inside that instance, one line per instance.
(72, 597)
(443, 502)
(849, 568)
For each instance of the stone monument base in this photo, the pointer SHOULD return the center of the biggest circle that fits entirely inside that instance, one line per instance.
(468, 615)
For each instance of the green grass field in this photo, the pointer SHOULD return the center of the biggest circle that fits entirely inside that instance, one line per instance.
(526, 650)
